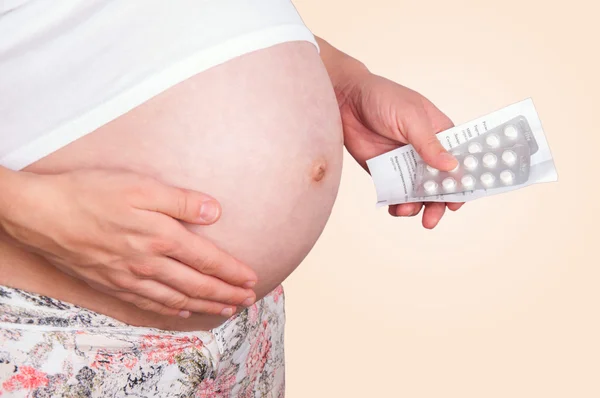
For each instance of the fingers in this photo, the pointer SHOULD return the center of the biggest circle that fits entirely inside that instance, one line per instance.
(139, 301)
(152, 292)
(193, 283)
(454, 206)
(182, 204)
(421, 136)
(168, 238)
(149, 305)
(204, 256)
(433, 213)
(405, 209)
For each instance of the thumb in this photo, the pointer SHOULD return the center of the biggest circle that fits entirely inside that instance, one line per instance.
(421, 136)
(179, 203)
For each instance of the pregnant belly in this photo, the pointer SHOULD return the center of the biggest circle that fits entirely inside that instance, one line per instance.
(260, 133)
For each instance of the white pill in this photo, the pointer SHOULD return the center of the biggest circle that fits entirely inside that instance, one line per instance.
(449, 184)
(511, 132)
(468, 181)
(507, 177)
(509, 157)
(488, 179)
(432, 171)
(470, 162)
(489, 160)
(475, 147)
(430, 186)
(492, 140)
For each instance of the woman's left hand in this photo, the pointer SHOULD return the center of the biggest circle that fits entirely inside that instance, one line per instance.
(379, 115)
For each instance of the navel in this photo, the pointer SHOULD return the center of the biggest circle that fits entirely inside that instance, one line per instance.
(318, 170)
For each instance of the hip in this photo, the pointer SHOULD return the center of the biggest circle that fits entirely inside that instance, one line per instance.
(54, 348)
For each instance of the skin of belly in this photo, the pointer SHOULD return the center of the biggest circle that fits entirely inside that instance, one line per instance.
(260, 133)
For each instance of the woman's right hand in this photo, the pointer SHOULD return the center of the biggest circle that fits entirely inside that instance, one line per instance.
(119, 232)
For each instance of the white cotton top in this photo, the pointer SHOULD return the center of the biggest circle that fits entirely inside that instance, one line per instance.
(68, 67)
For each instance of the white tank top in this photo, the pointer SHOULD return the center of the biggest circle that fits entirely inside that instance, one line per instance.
(68, 67)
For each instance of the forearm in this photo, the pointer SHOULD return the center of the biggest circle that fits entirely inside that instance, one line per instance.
(344, 70)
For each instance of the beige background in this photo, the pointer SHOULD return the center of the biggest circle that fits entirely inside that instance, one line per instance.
(503, 298)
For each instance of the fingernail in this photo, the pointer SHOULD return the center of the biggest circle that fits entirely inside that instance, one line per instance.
(249, 284)
(248, 302)
(227, 312)
(184, 314)
(209, 211)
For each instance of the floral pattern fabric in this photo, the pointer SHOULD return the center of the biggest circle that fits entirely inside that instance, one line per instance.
(49, 348)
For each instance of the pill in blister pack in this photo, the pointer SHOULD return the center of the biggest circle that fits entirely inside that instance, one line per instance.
(485, 169)
(511, 133)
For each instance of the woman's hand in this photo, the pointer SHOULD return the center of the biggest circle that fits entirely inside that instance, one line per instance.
(379, 115)
(118, 232)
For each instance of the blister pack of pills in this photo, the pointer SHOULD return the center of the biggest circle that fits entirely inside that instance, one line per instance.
(494, 141)
(481, 169)
(514, 132)
(499, 157)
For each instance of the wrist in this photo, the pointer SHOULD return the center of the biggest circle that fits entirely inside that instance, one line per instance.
(345, 72)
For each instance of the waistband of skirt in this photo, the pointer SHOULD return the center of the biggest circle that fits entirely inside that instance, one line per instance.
(20, 309)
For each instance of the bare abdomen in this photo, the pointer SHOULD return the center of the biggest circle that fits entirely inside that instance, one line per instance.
(260, 133)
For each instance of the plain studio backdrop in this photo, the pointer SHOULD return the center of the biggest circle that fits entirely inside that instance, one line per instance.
(503, 298)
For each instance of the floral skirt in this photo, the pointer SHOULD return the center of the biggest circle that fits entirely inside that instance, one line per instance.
(49, 348)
